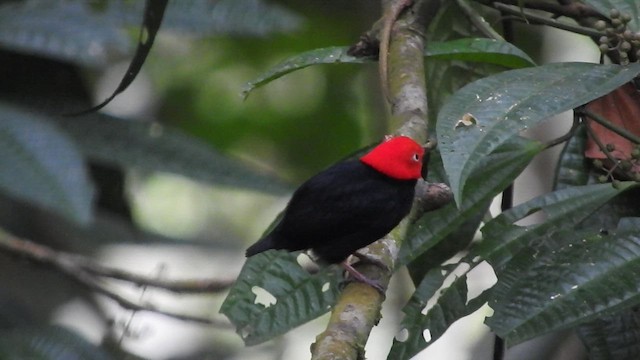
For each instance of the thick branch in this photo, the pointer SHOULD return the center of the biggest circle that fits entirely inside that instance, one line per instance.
(358, 308)
(93, 276)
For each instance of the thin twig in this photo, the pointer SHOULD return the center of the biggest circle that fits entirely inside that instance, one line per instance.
(93, 276)
(568, 135)
(534, 18)
(609, 125)
(478, 21)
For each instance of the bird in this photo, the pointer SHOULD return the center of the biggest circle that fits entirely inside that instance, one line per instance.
(349, 205)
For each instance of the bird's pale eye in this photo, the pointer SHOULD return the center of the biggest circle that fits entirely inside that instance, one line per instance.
(416, 157)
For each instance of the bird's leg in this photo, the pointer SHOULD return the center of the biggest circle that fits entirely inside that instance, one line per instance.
(363, 279)
(370, 260)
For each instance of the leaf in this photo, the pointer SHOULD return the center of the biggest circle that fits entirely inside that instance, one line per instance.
(588, 276)
(42, 166)
(246, 18)
(62, 30)
(630, 7)
(153, 14)
(563, 208)
(498, 171)
(573, 167)
(502, 105)
(48, 343)
(613, 337)
(478, 50)
(452, 304)
(155, 147)
(299, 296)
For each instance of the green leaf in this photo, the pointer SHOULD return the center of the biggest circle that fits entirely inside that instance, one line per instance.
(613, 337)
(573, 167)
(152, 146)
(48, 343)
(497, 172)
(451, 305)
(42, 166)
(586, 277)
(153, 14)
(630, 7)
(62, 30)
(500, 106)
(298, 295)
(563, 208)
(478, 50)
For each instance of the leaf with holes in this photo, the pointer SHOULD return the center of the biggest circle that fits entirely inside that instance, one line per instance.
(631, 7)
(498, 171)
(42, 166)
(502, 105)
(563, 208)
(476, 50)
(451, 305)
(155, 147)
(586, 277)
(294, 296)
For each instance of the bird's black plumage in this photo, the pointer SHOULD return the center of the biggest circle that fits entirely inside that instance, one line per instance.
(340, 210)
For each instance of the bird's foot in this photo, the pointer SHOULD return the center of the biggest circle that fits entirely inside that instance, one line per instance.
(361, 278)
(370, 260)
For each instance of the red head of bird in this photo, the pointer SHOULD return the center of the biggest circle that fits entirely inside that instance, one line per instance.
(398, 157)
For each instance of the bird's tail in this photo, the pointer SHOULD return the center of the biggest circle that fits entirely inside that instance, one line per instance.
(264, 244)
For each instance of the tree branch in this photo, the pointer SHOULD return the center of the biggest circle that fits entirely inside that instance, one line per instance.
(93, 275)
(358, 308)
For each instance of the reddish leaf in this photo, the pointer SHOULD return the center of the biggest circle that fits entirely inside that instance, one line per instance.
(622, 108)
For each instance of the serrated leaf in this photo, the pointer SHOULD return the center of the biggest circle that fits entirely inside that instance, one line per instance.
(452, 304)
(299, 296)
(502, 105)
(586, 277)
(573, 167)
(498, 171)
(62, 30)
(613, 337)
(152, 146)
(42, 166)
(48, 343)
(477, 50)
(563, 208)
(631, 7)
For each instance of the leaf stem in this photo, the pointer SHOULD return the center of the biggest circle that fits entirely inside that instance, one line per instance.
(609, 125)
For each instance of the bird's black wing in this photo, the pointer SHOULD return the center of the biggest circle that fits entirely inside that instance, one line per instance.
(340, 201)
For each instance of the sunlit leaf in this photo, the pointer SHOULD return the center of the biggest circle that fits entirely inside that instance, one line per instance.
(294, 296)
(42, 166)
(155, 147)
(586, 277)
(502, 105)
